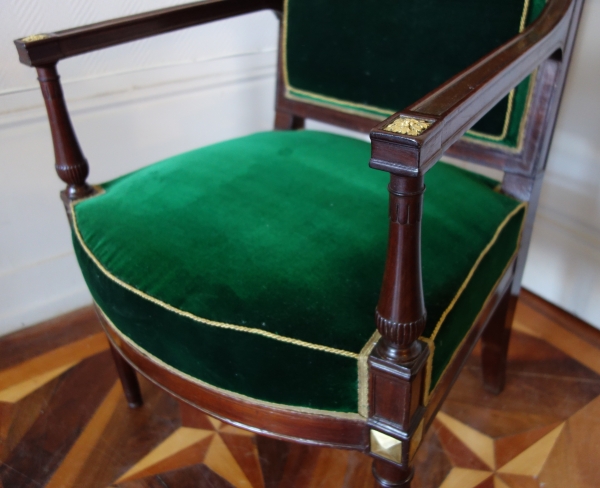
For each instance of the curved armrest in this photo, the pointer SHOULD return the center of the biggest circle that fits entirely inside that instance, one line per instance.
(44, 49)
(440, 118)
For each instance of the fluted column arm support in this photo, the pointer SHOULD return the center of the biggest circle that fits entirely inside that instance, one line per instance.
(400, 314)
(71, 166)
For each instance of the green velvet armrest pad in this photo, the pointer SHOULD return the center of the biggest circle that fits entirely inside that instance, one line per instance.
(254, 265)
(375, 59)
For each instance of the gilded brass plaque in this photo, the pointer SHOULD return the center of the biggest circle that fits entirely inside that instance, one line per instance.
(386, 446)
(35, 37)
(408, 126)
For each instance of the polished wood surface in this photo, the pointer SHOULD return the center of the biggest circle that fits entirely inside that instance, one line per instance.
(129, 381)
(70, 164)
(494, 344)
(75, 430)
(400, 314)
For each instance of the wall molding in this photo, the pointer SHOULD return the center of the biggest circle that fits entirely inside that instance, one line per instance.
(85, 95)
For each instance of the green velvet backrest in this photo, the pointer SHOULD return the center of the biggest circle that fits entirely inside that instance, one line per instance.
(374, 58)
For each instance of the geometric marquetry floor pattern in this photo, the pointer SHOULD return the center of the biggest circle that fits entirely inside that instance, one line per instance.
(64, 421)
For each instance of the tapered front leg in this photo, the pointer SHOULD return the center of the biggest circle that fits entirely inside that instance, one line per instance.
(388, 475)
(494, 344)
(397, 364)
(129, 381)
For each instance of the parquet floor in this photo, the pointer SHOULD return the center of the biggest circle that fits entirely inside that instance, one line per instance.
(64, 421)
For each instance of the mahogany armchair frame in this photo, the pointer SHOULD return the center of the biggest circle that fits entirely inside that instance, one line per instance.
(396, 366)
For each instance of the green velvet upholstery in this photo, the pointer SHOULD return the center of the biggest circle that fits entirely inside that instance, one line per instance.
(375, 58)
(255, 265)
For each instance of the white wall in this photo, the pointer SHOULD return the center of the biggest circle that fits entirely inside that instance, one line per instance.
(564, 261)
(144, 101)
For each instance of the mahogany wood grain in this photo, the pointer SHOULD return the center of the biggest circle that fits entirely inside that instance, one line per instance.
(528, 158)
(325, 114)
(388, 475)
(525, 159)
(454, 108)
(541, 131)
(400, 315)
(396, 395)
(396, 408)
(274, 454)
(71, 166)
(494, 344)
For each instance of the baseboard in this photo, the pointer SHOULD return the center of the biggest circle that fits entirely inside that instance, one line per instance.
(37, 291)
(37, 312)
(564, 268)
(582, 329)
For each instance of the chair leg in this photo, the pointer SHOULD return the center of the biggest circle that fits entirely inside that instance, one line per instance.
(129, 380)
(388, 475)
(494, 344)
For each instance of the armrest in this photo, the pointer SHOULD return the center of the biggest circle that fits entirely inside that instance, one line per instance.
(44, 49)
(411, 141)
(440, 118)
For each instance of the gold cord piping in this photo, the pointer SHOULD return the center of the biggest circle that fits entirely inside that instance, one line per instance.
(456, 351)
(429, 340)
(475, 266)
(363, 374)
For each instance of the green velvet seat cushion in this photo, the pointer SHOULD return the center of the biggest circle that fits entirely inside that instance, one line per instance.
(375, 59)
(255, 265)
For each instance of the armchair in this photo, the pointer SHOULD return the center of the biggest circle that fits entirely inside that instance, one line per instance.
(250, 278)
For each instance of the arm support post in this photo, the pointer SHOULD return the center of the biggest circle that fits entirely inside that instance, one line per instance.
(71, 165)
(43, 51)
(397, 365)
(400, 313)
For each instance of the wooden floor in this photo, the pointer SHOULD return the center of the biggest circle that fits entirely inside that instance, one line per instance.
(64, 421)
